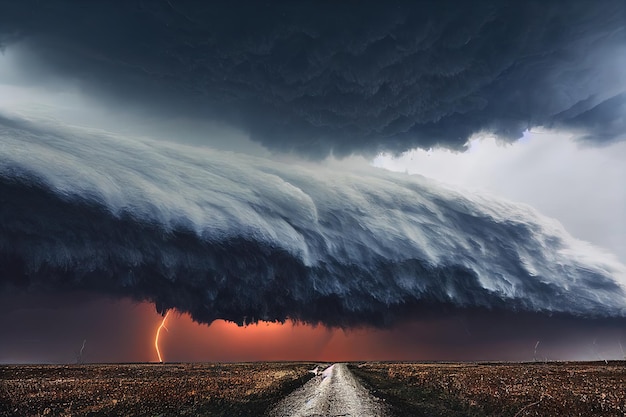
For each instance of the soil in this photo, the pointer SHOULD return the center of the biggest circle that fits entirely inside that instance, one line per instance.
(253, 389)
(334, 392)
(246, 389)
(498, 389)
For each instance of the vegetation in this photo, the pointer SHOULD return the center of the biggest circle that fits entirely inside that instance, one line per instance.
(500, 389)
(245, 389)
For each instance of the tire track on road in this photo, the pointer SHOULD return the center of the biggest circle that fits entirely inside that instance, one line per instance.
(335, 392)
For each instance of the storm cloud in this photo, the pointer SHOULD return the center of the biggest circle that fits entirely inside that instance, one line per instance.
(341, 77)
(242, 238)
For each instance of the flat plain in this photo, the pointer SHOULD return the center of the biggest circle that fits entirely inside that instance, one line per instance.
(498, 389)
(254, 389)
(236, 389)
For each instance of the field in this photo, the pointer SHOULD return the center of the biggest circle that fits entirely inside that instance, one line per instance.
(515, 390)
(252, 389)
(246, 389)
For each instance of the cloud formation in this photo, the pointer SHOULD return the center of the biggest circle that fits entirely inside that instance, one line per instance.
(321, 77)
(223, 235)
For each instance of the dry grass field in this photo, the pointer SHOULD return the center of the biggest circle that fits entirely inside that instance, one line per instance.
(245, 389)
(251, 389)
(499, 389)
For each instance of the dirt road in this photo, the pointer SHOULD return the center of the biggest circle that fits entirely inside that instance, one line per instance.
(335, 392)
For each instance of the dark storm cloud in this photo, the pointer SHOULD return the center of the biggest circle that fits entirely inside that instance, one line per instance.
(319, 77)
(223, 235)
(602, 123)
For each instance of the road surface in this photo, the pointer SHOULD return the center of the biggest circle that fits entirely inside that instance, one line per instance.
(335, 392)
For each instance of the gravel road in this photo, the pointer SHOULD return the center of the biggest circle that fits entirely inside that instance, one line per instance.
(335, 392)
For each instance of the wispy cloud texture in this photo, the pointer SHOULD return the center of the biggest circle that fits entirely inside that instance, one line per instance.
(223, 235)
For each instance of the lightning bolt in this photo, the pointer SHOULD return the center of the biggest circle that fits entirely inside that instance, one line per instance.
(79, 356)
(158, 333)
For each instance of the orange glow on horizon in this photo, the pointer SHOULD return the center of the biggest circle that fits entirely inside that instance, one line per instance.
(224, 341)
(446, 338)
(158, 333)
(125, 331)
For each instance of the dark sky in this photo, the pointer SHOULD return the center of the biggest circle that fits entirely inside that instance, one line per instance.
(319, 77)
(215, 159)
(51, 329)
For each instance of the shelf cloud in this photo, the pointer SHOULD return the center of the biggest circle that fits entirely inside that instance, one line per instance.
(228, 236)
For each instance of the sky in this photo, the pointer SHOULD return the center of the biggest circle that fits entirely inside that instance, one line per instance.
(312, 181)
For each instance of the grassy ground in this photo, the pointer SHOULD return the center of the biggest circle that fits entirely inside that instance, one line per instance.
(413, 400)
(246, 389)
(502, 389)
(250, 389)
